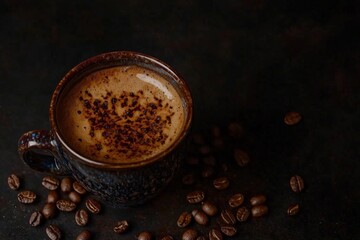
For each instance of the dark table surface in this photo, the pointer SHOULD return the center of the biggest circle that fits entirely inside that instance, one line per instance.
(249, 61)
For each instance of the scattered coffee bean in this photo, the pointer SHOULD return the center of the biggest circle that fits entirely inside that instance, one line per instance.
(242, 214)
(188, 179)
(26, 197)
(228, 217)
(13, 182)
(205, 149)
(184, 219)
(292, 118)
(215, 234)
(221, 183)
(78, 188)
(257, 200)
(53, 196)
(209, 160)
(75, 197)
(207, 171)
(35, 219)
(198, 138)
(201, 237)
(192, 161)
(228, 230)
(50, 182)
(93, 205)
(144, 236)
(167, 237)
(53, 232)
(190, 234)
(259, 210)
(121, 227)
(218, 143)
(293, 209)
(81, 217)
(236, 200)
(200, 217)
(235, 130)
(84, 235)
(49, 210)
(209, 208)
(224, 167)
(215, 131)
(296, 183)
(195, 196)
(65, 205)
(241, 157)
(66, 184)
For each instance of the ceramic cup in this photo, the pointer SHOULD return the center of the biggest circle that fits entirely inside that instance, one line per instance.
(119, 184)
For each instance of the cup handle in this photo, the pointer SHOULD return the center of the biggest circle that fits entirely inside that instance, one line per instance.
(38, 149)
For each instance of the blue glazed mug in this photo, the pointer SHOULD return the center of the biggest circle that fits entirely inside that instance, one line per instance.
(124, 184)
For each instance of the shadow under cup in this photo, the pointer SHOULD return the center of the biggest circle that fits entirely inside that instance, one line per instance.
(119, 183)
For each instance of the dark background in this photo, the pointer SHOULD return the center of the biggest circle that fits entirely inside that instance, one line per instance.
(248, 60)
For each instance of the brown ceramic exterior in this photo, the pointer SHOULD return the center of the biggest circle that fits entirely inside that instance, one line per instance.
(122, 184)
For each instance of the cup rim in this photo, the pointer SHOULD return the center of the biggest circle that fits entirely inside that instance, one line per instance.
(112, 57)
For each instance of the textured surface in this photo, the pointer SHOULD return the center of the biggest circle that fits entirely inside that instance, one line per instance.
(249, 60)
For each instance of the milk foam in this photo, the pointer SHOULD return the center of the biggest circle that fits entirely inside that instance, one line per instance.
(120, 114)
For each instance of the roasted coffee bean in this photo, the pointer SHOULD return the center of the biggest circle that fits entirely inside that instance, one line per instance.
(259, 210)
(195, 196)
(66, 184)
(53, 196)
(241, 157)
(167, 237)
(35, 219)
(84, 235)
(235, 130)
(236, 200)
(209, 160)
(65, 205)
(192, 161)
(296, 183)
(227, 217)
(201, 237)
(205, 149)
(228, 230)
(13, 182)
(207, 171)
(242, 214)
(144, 236)
(293, 209)
(215, 131)
(221, 183)
(93, 205)
(218, 143)
(184, 219)
(200, 217)
(78, 188)
(188, 179)
(209, 208)
(257, 199)
(121, 227)
(53, 232)
(49, 210)
(50, 182)
(198, 139)
(190, 234)
(224, 167)
(292, 118)
(75, 197)
(26, 197)
(81, 217)
(215, 234)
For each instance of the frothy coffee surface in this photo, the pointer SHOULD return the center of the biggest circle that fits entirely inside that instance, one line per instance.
(121, 114)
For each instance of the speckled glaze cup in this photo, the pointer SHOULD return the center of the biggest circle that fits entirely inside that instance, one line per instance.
(124, 184)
